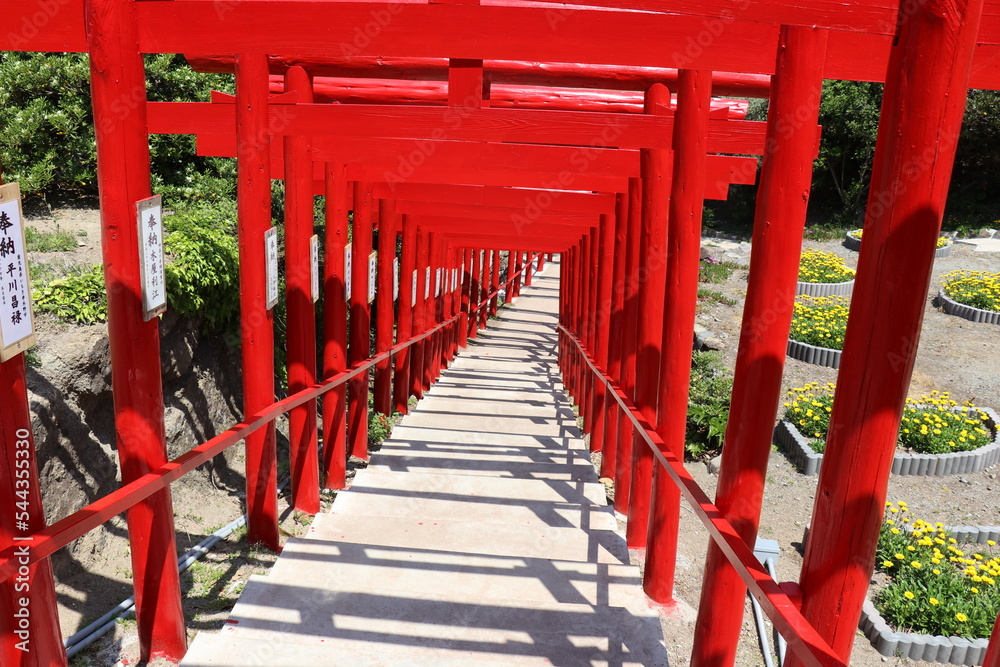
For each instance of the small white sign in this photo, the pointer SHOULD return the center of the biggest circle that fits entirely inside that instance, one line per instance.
(427, 283)
(437, 283)
(17, 331)
(314, 256)
(395, 279)
(149, 228)
(348, 273)
(413, 298)
(454, 279)
(447, 281)
(372, 273)
(271, 266)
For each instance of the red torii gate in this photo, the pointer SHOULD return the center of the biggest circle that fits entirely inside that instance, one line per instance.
(823, 43)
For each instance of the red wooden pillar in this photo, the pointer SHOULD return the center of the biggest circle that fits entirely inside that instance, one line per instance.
(465, 280)
(404, 328)
(589, 328)
(616, 317)
(256, 322)
(630, 325)
(992, 657)
(922, 109)
(495, 283)
(605, 270)
(29, 609)
(360, 349)
(432, 367)
(449, 305)
(690, 142)
(419, 318)
(541, 261)
(335, 327)
(384, 304)
(484, 290)
(656, 166)
(509, 282)
(582, 298)
(569, 278)
(475, 293)
(518, 256)
(116, 74)
(527, 269)
(301, 316)
(778, 225)
(29, 629)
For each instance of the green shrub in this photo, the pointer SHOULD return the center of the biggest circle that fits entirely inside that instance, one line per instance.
(202, 270)
(79, 298)
(710, 390)
(379, 428)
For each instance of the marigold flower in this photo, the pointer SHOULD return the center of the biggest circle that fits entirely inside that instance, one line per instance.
(909, 595)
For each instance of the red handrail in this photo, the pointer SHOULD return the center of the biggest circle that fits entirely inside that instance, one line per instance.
(801, 636)
(59, 534)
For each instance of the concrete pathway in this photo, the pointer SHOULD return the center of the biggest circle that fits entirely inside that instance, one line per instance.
(479, 534)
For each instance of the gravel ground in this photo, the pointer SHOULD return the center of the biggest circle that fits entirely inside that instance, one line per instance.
(954, 355)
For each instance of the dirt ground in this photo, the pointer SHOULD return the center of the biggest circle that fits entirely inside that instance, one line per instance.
(954, 355)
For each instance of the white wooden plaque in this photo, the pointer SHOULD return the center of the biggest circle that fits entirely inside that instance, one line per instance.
(17, 327)
(372, 273)
(149, 229)
(314, 266)
(348, 272)
(271, 266)
(395, 279)
(413, 298)
(427, 283)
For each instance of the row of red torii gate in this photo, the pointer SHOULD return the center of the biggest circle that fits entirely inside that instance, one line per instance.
(593, 130)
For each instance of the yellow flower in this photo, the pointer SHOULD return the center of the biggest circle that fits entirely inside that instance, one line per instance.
(962, 618)
(933, 601)
(974, 589)
(917, 564)
(887, 563)
(909, 595)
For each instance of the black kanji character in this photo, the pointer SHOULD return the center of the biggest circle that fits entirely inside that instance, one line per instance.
(5, 222)
(6, 247)
(15, 317)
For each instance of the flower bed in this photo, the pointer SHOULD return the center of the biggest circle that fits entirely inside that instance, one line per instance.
(824, 274)
(974, 295)
(937, 436)
(852, 241)
(941, 599)
(818, 326)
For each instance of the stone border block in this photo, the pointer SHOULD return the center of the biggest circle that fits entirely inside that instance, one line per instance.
(797, 448)
(813, 354)
(825, 289)
(854, 243)
(952, 307)
(930, 648)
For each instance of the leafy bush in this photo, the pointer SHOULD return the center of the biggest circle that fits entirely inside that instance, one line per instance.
(935, 586)
(379, 428)
(78, 298)
(202, 270)
(817, 266)
(979, 289)
(709, 393)
(47, 133)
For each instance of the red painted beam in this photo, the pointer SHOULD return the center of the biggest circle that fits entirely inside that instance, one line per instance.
(485, 213)
(550, 200)
(569, 128)
(335, 327)
(562, 75)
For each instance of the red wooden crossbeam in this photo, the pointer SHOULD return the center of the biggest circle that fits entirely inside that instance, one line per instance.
(563, 75)
(545, 180)
(473, 212)
(506, 229)
(574, 128)
(858, 46)
(384, 91)
(582, 202)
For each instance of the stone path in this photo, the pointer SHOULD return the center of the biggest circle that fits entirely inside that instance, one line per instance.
(479, 534)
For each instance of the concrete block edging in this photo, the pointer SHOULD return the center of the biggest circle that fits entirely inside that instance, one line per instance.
(852, 242)
(813, 354)
(797, 448)
(952, 307)
(932, 648)
(825, 289)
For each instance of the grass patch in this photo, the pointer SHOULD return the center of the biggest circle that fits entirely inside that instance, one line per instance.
(716, 271)
(57, 241)
(705, 294)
